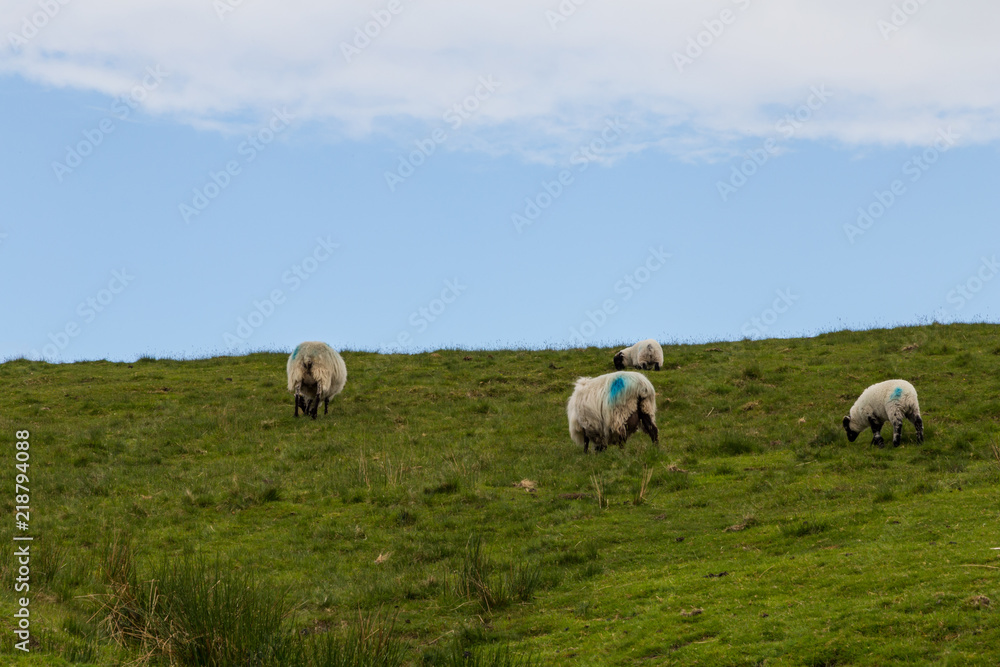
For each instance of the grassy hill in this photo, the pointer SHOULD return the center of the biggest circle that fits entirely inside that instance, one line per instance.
(753, 534)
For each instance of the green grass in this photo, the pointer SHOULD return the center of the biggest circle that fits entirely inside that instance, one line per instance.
(182, 515)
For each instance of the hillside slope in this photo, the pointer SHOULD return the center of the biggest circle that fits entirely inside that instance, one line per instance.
(753, 533)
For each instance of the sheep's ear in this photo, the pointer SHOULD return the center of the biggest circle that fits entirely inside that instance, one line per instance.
(847, 422)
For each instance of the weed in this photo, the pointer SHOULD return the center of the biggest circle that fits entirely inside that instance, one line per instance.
(192, 611)
(734, 443)
(639, 496)
(804, 527)
(598, 484)
(494, 587)
(371, 642)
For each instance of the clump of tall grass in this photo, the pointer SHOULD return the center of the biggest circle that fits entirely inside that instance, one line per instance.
(494, 587)
(198, 612)
(459, 654)
(192, 611)
(598, 484)
(371, 642)
(803, 527)
(642, 487)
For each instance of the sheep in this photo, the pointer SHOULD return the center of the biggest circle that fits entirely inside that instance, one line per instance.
(315, 373)
(609, 408)
(890, 401)
(645, 354)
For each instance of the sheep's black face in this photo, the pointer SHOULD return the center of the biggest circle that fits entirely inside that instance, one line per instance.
(851, 435)
(619, 362)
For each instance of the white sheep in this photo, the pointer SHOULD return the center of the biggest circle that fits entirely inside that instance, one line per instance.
(892, 401)
(646, 354)
(315, 373)
(609, 408)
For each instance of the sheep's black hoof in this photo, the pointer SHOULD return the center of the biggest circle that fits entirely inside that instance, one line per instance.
(880, 443)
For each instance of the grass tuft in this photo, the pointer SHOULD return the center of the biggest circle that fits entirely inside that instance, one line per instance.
(371, 642)
(804, 527)
(494, 587)
(642, 486)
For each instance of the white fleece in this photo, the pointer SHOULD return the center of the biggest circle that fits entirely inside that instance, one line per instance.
(600, 408)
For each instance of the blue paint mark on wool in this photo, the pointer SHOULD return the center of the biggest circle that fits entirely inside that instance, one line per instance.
(896, 395)
(617, 387)
(296, 352)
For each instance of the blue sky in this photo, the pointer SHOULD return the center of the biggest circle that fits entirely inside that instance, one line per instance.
(191, 178)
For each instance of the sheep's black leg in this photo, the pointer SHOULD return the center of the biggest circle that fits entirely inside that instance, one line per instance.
(296, 399)
(919, 423)
(876, 432)
(649, 427)
(326, 405)
(656, 367)
(897, 433)
(586, 444)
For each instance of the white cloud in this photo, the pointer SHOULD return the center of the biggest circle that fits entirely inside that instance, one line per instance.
(558, 85)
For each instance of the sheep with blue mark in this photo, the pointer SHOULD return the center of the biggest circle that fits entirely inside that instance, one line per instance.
(646, 354)
(607, 409)
(890, 401)
(315, 373)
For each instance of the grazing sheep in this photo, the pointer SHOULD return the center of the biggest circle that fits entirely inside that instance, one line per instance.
(892, 401)
(646, 354)
(315, 373)
(610, 408)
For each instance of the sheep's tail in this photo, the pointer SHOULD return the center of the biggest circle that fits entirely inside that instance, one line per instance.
(323, 374)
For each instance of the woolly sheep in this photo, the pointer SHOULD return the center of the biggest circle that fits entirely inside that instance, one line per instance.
(892, 401)
(315, 373)
(607, 409)
(646, 354)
